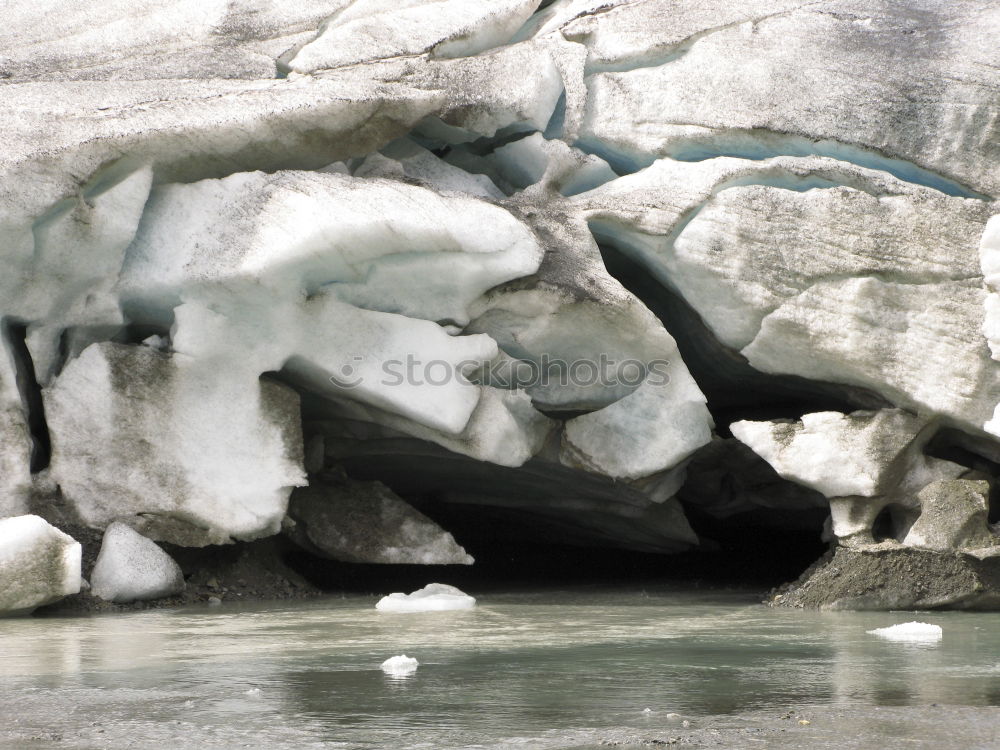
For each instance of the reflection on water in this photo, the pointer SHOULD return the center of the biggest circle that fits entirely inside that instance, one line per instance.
(520, 665)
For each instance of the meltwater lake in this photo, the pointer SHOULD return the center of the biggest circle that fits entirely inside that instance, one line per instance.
(587, 667)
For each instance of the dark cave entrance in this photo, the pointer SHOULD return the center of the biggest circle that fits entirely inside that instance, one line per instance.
(515, 550)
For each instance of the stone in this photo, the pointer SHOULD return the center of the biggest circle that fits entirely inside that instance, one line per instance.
(893, 577)
(366, 522)
(953, 515)
(132, 568)
(38, 564)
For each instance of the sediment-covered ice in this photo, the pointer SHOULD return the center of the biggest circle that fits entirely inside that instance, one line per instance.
(154, 436)
(38, 564)
(434, 597)
(191, 39)
(310, 274)
(375, 29)
(651, 101)
(16, 442)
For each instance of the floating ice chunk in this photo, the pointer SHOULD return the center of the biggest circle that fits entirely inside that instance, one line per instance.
(400, 665)
(910, 631)
(434, 597)
(131, 568)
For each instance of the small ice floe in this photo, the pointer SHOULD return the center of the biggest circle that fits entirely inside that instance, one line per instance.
(434, 597)
(252, 691)
(910, 631)
(400, 665)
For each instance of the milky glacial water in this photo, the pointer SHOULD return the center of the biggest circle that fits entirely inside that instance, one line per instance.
(546, 669)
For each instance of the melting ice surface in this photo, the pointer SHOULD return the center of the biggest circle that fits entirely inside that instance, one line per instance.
(537, 669)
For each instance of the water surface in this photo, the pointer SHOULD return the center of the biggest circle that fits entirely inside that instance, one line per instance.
(530, 669)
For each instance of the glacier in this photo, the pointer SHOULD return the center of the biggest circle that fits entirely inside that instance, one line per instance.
(627, 273)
